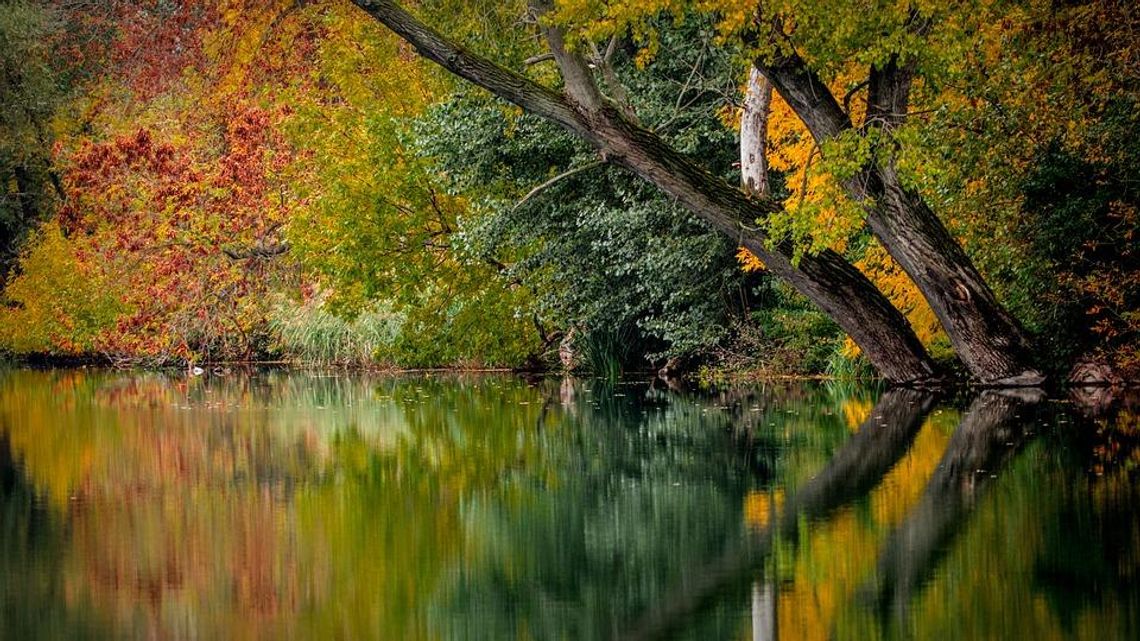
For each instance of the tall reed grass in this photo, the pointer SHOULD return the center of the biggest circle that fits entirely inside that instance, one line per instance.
(310, 333)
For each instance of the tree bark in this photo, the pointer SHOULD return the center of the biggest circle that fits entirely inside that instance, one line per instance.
(754, 134)
(827, 279)
(988, 340)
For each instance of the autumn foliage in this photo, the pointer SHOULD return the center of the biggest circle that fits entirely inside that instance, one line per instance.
(199, 168)
(209, 173)
(189, 234)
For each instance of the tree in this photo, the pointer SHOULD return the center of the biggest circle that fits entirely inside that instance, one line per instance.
(192, 231)
(913, 149)
(377, 224)
(577, 239)
(217, 171)
(987, 339)
(32, 85)
(826, 278)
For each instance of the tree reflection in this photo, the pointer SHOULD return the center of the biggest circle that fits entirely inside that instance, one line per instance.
(993, 429)
(858, 466)
(443, 507)
(937, 573)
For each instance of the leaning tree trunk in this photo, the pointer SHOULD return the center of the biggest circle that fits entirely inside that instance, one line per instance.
(832, 283)
(754, 180)
(989, 341)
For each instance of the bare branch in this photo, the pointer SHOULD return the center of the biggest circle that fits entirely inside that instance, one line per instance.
(257, 251)
(555, 180)
(851, 94)
(542, 57)
(618, 92)
(576, 74)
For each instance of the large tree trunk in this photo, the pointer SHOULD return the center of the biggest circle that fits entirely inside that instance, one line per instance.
(832, 283)
(988, 340)
(827, 279)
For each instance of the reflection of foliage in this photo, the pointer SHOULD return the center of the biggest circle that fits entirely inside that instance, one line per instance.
(639, 501)
(476, 507)
(618, 537)
(305, 475)
(34, 545)
(1050, 534)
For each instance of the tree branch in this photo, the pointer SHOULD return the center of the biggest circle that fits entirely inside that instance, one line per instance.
(889, 94)
(502, 82)
(576, 74)
(256, 251)
(851, 94)
(617, 90)
(807, 94)
(542, 57)
(555, 180)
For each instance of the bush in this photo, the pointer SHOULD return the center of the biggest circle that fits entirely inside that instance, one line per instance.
(54, 304)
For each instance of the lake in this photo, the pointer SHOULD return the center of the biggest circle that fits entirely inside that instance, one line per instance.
(328, 505)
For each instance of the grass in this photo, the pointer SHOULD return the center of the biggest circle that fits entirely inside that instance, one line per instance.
(309, 333)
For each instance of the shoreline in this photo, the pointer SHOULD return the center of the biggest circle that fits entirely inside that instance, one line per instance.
(695, 378)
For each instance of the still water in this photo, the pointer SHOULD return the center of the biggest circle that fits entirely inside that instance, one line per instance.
(279, 505)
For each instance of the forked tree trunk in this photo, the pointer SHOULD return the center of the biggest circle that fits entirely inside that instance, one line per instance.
(832, 283)
(989, 341)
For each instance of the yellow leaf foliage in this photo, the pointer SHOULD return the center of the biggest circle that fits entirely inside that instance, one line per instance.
(57, 303)
(886, 274)
(749, 262)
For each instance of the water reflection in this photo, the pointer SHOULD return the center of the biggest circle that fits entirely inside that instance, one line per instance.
(854, 469)
(994, 428)
(300, 505)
